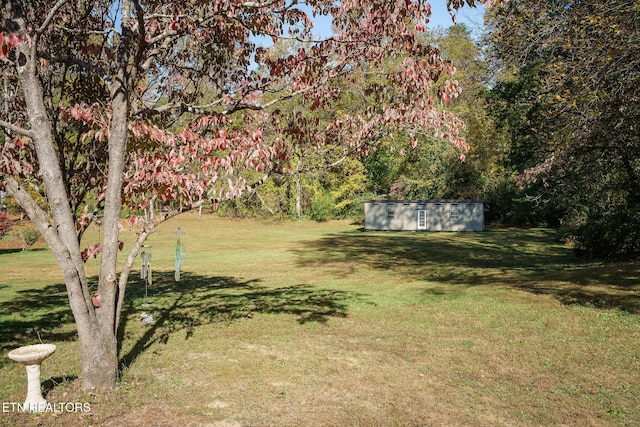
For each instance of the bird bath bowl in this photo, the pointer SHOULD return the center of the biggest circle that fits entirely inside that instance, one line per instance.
(32, 356)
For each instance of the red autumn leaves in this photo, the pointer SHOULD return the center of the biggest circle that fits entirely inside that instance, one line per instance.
(7, 42)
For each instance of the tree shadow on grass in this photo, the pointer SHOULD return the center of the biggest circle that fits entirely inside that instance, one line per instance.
(526, 259)
(180, 307)
(53, 382)
(42, 313)
(35, 314)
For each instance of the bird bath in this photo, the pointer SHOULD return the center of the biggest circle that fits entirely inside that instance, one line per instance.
(32, 356)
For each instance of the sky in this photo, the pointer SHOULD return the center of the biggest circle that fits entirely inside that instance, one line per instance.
(472, 17)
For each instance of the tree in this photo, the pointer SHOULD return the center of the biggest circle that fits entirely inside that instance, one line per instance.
(151, 102)
(432, 169)
(576, 68)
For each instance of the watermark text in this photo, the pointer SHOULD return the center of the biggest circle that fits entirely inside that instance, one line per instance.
(8, 407)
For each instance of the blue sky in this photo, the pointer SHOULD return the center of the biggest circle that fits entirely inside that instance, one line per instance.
(472, 17)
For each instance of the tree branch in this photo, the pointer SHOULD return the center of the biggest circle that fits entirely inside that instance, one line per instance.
(73, 60)
(40, 219)
(263, 203)
(126, 270)
(258, 5)
(50, 16)
(16, 129)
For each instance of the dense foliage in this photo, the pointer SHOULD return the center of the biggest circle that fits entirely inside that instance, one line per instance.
(568, 93)
(551, 111)
(326, 184)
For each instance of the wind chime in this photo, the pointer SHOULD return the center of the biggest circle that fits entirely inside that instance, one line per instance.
(145, 270)
(179, 253)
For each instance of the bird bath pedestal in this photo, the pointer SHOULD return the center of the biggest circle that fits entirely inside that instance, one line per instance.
(32, 356)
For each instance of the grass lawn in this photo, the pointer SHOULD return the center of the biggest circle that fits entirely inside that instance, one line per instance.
(322, 324)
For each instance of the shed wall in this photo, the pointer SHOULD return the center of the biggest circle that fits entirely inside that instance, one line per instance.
(437, 215)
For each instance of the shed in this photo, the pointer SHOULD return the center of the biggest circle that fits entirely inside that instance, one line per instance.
(424, 215)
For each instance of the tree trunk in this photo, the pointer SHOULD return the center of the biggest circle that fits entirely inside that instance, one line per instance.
(298, 191)
(96, 326)
(99, 355)
(98, 351)
(298, 198)
(100, 361)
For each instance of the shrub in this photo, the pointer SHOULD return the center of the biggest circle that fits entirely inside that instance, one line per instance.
(29, 237)
(323, 207)
(604, 233)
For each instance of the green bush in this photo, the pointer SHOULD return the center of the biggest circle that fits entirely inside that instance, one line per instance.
(604, 233)
(29, 237)
(323, 207)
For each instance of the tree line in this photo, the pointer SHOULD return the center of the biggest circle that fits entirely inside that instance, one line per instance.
(550, 105)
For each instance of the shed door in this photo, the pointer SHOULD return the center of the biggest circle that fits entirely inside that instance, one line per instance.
(422, 220)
